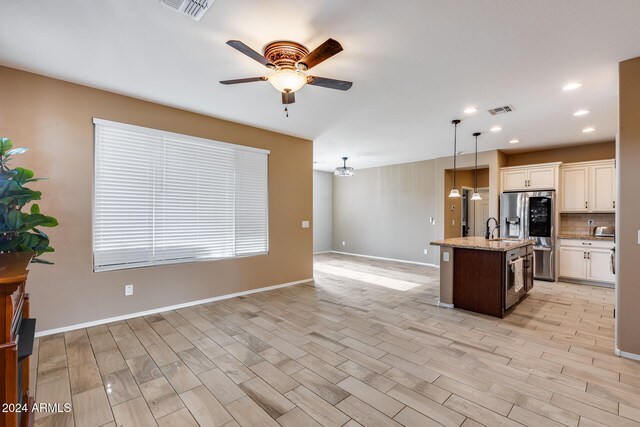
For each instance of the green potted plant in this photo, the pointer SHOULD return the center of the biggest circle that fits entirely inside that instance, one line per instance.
(21, 239)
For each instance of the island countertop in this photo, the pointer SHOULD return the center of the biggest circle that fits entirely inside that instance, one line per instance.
(482, 244)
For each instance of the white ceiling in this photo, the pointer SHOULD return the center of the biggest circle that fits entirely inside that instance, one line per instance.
(415, 64)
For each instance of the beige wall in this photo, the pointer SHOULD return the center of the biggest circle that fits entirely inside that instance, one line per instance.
(574, 153)
(628, 215)
(322, 211)
(385, 212)
(54, 119)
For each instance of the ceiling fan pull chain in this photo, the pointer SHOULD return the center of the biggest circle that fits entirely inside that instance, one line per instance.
(286, 110)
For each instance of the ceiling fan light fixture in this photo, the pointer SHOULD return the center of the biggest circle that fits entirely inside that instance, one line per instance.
(285, 80)
(344, 170)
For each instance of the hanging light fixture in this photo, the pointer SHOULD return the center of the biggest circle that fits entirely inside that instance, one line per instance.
(476, 195)
(344, 170)
(454, 191)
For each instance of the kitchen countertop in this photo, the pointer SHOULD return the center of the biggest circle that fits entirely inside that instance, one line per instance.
(583, 237)
(482, 244)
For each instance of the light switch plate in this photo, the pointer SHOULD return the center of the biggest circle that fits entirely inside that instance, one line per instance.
(639, 237)
(426, 251)
(128, 290)
(305, 224)
(445, 256)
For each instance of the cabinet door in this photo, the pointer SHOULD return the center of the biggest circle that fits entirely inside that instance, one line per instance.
(599, 266)
(602, 184)
(573, 262)
(574, 189)
(514, 180)
(542, 179)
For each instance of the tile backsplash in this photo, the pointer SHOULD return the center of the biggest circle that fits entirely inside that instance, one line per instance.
(576, 223)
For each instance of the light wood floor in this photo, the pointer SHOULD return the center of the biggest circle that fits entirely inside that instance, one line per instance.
(363, 345)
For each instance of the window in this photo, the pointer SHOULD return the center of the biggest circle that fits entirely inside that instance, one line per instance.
(164, 198)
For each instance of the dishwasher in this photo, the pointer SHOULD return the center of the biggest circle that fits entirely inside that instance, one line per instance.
(510, 295)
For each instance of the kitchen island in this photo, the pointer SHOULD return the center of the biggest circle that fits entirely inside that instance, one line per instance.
(480, 275)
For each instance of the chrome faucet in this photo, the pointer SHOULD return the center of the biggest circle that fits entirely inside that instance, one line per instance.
(489, 233)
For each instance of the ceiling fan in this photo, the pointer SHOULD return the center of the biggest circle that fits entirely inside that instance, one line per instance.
(289, 60)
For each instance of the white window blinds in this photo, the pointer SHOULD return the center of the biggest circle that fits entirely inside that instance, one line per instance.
(162, 198)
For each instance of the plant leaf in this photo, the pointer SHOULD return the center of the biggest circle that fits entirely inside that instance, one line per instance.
(5, 145)
(14, 219)
(35, 209)
(15, 151)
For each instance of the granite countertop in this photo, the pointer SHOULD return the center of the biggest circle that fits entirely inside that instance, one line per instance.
(574, 236)
(482, 244)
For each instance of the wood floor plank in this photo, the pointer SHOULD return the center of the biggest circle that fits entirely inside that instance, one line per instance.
(205, 408)
(133, 413)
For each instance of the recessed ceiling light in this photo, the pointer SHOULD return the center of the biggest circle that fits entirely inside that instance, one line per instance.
(572, 86)
(587, 130)
(581, 112)
(470, 110)
(496, 129)
(514, 141)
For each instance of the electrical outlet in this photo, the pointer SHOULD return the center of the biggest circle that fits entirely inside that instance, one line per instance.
(128, 290)
(344, 243)
(445, 256)
(590, 222)
(426, 251)
(453, 222)
(305, 224)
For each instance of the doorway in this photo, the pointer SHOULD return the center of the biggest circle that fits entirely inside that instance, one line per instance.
(474, 213)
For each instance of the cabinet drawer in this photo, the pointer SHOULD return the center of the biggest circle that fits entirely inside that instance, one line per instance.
(604, 244)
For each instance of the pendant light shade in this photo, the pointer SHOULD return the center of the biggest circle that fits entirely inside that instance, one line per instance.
(476, 196)
(454, 191)
(344, 170)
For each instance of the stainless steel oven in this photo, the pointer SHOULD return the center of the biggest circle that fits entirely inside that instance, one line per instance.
(510, 295)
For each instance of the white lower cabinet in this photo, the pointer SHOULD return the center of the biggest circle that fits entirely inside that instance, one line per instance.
(588, 260)
(573, 262)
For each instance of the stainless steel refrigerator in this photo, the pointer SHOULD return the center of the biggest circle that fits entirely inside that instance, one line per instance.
(531, 215)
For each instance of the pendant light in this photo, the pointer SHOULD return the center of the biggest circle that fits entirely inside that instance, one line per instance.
(476, 196)
(344, 170)
(454, 191)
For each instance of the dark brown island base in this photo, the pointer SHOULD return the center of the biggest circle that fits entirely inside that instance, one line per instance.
(481, 275)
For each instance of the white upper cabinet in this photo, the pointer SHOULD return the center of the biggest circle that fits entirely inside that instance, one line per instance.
(530, 178)
(589, 187)
(575, 194)
(603, 188)
(514, 179)
(543, 178)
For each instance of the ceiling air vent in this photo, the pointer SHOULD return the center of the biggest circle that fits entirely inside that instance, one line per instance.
(193, 8)
(501, 110)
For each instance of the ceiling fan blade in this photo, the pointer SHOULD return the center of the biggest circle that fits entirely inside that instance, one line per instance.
(247, 80)
(329, 83)
(288, 98)
(243, 48)
(323, 52)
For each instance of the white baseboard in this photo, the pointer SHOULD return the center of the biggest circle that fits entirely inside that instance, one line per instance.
(627, 355)
(163, 309)
(444, 304)
(322, 252)
(387, 259)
